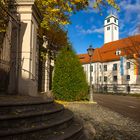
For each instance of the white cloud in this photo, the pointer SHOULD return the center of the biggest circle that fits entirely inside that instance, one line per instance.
(91, 30)
(135, 31)
(129, 15)
(129, 8)
(121, 24)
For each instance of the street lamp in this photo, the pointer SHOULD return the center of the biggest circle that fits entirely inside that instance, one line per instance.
(90, 53)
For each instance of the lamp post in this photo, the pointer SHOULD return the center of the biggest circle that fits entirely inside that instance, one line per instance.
(90, 53)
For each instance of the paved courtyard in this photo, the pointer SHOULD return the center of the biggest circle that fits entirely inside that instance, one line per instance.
(102, 123)
(127, 106)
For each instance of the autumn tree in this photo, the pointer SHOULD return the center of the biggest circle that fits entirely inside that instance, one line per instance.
(56, 14)
(3, 15)
(59, 11)
(131, 49)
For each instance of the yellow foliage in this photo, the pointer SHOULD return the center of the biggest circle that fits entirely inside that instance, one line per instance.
(59, 11)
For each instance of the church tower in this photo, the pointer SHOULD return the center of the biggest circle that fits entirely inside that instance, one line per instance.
(111, 29)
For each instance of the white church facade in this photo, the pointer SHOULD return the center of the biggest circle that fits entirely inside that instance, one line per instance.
(116, 65)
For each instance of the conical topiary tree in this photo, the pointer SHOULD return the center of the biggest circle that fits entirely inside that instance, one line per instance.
(69, 81)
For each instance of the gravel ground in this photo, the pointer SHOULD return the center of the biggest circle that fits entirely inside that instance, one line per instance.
(100, 123)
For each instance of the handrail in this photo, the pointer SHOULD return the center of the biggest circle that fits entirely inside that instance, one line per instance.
(34, 78)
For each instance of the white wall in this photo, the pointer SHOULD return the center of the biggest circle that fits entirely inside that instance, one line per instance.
(98, 71)
(113, 33)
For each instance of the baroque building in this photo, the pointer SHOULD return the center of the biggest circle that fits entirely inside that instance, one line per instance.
(115, 65)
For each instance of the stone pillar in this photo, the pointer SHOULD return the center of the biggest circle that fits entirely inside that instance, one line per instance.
(27, 51)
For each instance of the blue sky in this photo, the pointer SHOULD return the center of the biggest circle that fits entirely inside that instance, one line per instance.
(87, 26)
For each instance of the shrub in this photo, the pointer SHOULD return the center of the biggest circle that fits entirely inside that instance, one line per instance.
(69, 81)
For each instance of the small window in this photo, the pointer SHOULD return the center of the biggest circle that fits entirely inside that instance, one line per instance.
(100, 67)
(128, 77)
(115, 20)
(105, 78)
(91, 68)
(128, 65)
(105, 67)
(108, 20)
(108, 28)
(115, 28)
(100, 78)
(115, 78)
(114, 67)
(91, 78)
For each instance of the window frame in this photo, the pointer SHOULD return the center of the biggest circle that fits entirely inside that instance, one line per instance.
(108, 28)
(127, 79)
(105, 68)
(115, 67)
(108, 20)
(100, 78)
(115, 79)
(128, 66)
(100, 67)
(105, 78)
(91, 78)
(91, 68)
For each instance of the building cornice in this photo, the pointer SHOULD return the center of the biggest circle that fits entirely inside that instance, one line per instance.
(34, 10)
(111, 16)
(111, 24)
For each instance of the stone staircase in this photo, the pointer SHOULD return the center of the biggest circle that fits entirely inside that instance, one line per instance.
(32, 118)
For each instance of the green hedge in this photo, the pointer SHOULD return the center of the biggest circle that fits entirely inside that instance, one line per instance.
(69, 81)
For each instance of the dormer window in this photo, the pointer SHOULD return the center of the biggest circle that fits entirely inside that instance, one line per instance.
(108, 20)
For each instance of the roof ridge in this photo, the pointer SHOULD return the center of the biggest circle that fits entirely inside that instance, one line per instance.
(122, 39)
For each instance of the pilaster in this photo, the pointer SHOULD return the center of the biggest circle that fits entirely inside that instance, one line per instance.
(28, 51)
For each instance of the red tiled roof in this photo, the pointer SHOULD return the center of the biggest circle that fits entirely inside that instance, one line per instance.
(107, 52)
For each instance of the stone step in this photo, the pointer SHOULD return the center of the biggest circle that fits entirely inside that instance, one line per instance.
(28, 105)
(36, 118)
(23, 100)
(82, 136)
(21, 119)
(72, 132)
(53, 108)
(59, 122)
